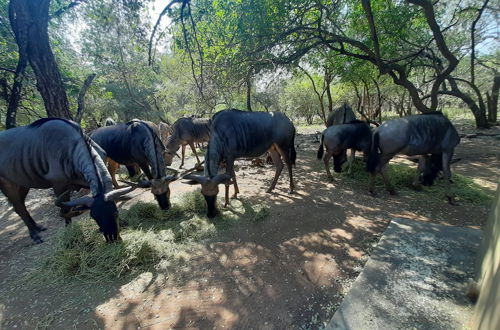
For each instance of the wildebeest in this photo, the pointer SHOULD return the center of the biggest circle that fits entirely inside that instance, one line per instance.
(137, 142)
(187, 131)
(55, 153)
(165, 131)
(238, 134)
(109, 122)
(342, 115)
(113, 166)
(355, 135)
(430, 136)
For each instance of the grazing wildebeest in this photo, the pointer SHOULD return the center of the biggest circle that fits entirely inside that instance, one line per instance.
(355, 135)
(113, 166)
(423, 135)
(165, 131)
(187, 131)
(342, 115)
(55, 153)
(238, 134)
(137, 142)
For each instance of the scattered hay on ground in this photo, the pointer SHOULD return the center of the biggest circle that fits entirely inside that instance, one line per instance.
(402, 176)
(150, 235)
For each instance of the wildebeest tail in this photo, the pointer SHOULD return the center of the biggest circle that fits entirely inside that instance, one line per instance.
(374, 156)
(292, 153)
(320, 150)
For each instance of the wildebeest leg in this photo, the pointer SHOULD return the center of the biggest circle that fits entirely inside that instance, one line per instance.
(112, 168)
(447, 176)
(230, 171)
(420, 167)
(326, 160)
(183, 151)
(145, 169)
(350, 160)
(275, 155)
(383, 171)
(387, 183)
(64, 198)
(17, 196)
(191, 144)
(285, 156)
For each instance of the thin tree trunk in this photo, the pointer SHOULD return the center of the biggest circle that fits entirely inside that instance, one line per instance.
(493, 100)
(20, 33)
(249, 92)
(81, 97)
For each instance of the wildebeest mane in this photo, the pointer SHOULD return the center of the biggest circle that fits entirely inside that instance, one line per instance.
(42, 121)
(154, 138)
(86, 139)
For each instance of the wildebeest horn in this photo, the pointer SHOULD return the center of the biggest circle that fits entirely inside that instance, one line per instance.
(195, 179)
(221, 178)
(139, 184)
(82, 201)
(170, 178)
(176, 171)
(116, 194)
(453, 161)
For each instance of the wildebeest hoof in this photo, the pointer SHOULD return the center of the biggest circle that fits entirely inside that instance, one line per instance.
(452, 201)
(291, 192)
(417, 186)
(234, 196)
(40, 228)
(373, 194)
(269, 191)
(392, 192)
(36, 238)
(330, 177)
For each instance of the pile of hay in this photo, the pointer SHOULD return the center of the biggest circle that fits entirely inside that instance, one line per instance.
(150, 235)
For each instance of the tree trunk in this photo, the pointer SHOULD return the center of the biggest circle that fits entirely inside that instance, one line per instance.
(249, 92)
(20, 33)
(328, 81)
(15, 95)
(493, 100)
(81, 97)
(35, 16)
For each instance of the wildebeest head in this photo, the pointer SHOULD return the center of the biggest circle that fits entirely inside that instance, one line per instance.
(429, 167)
(209, 189)
(338, 160)
(159, 188)
(102, 209)
(168, 156)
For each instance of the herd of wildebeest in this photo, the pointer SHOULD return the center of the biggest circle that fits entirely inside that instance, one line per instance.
(56, 153)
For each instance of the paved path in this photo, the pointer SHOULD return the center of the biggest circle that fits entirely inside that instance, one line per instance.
(415, 279)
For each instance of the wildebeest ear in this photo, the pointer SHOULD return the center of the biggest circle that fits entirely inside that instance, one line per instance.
(453, 161)
(196, 178)
(117, 194)
(222, 178)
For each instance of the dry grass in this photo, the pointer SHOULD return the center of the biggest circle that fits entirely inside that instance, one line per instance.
(150, 235)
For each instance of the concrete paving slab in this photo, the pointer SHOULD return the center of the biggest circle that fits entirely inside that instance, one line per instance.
(415, 279)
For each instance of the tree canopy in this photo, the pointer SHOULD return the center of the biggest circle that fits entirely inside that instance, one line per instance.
(90, 59)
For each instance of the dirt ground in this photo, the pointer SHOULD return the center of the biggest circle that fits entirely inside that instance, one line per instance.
(289, 271)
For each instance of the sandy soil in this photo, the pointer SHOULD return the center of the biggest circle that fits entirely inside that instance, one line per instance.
(289, 271)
